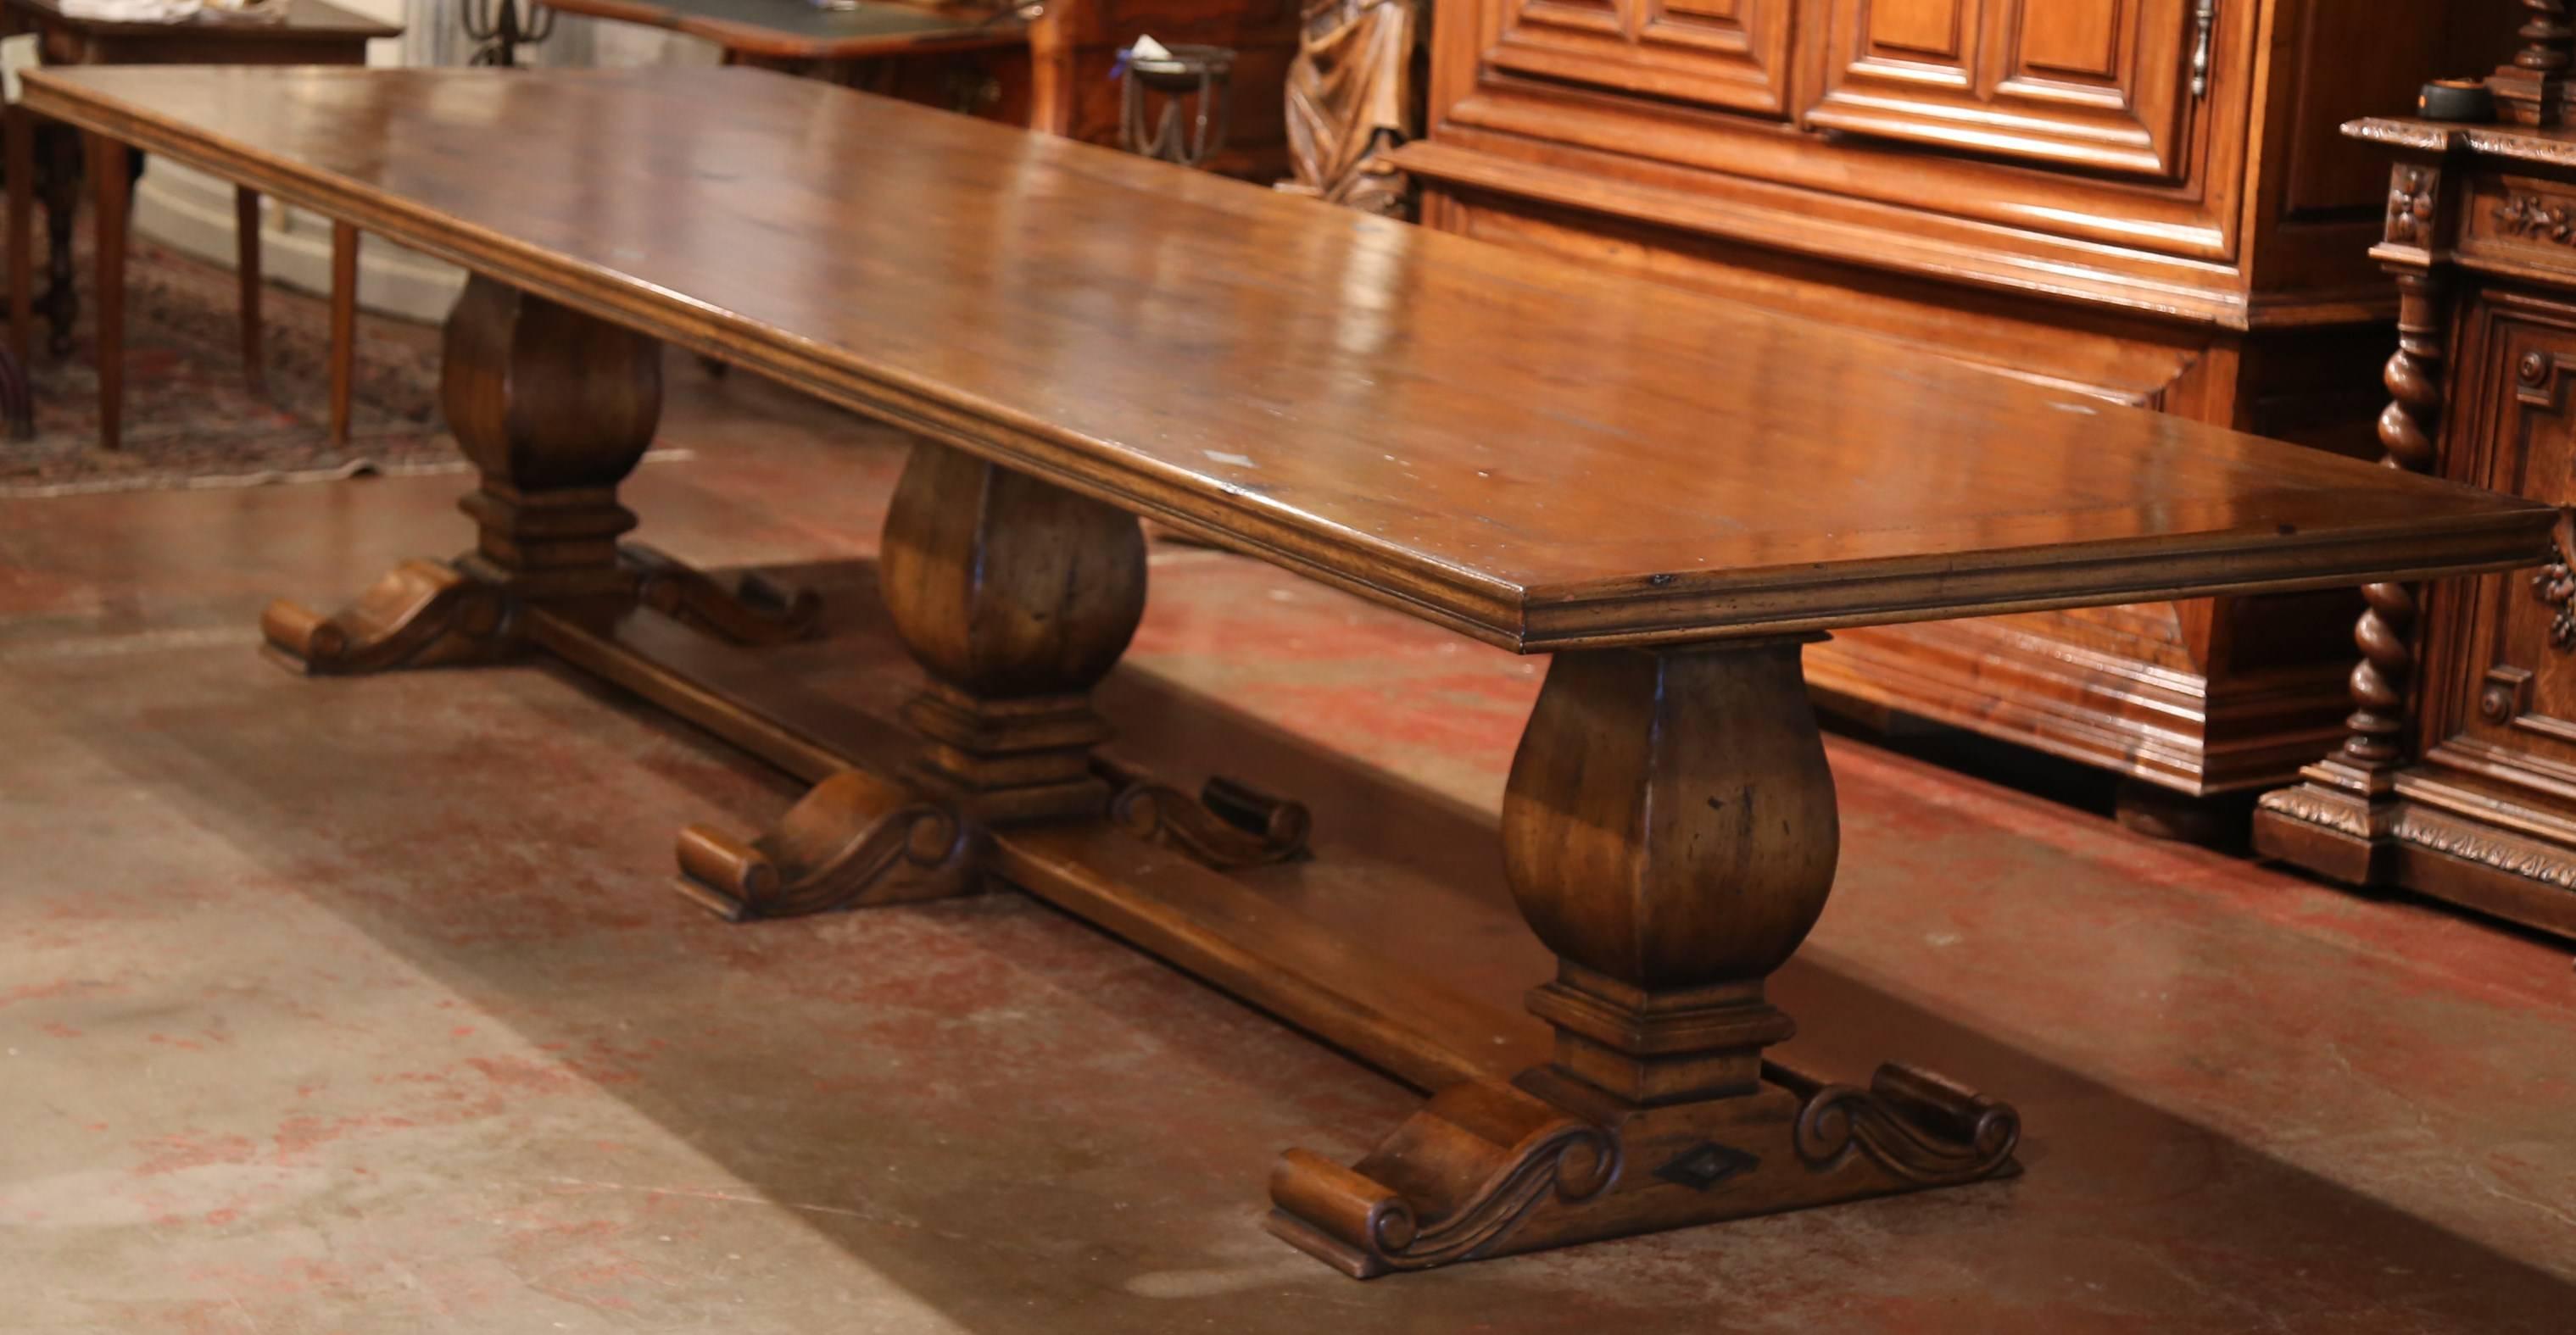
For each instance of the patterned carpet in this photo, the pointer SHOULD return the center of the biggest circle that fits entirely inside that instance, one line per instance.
(190, 421)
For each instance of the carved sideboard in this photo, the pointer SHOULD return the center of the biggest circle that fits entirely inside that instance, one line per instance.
(2458, 777)
(2143, 200)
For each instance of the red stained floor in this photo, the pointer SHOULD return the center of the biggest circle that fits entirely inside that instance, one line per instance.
(363, 1006)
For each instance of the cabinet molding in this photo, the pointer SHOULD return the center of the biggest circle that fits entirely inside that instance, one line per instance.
(2459, 780)
(2034, 188)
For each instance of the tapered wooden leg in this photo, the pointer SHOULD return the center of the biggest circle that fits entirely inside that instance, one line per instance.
(554, 408)
(344, 327)
(1017, 597)
(19, 129)
(246, 270)
(64, 152)
(111, 187)
(1669, 831)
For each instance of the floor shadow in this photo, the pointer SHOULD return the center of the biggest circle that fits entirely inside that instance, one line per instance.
(1083, 1137)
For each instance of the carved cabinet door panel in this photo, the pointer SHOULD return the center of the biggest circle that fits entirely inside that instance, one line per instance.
(2103, 85)
(2500, 684)
(1730, 54)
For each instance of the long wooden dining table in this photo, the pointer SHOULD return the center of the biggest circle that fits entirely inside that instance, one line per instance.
(1669, 494)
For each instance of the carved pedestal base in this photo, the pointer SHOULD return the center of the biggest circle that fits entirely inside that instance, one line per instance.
(1017, 597)
(1669, 832)
(554, 408)
(1489, 1169)
(426, 613)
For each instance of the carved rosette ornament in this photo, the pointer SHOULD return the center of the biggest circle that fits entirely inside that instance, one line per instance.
(2555, 586)
(2412, 194)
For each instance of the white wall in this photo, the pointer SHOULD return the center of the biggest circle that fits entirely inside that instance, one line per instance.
(193, 212)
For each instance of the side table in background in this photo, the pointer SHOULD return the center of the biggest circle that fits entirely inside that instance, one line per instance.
(287, 32)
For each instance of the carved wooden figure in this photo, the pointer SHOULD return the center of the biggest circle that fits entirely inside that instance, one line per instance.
(1351, 102)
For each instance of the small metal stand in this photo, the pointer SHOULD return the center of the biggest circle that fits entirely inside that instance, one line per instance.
(498, 32)
(1189, 126)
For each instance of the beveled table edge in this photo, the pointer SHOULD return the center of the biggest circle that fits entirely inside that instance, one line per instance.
(1537, 619)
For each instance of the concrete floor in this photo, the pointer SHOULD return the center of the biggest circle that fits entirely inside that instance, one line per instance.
(364, 1007)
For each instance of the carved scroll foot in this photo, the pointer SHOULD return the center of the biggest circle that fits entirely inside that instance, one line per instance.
(1489, 1169)
(753, 612)
(850, 843)
(421, 614)
(1230, 825)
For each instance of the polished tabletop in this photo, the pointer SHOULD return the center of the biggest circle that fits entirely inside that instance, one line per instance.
(1530, 450)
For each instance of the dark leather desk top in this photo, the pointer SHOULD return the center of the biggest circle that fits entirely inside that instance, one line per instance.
(793, 29)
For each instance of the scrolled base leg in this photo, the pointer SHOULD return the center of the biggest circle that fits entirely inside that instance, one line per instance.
(850, 843)
(752, 612)
(1490, 1169)
(1228, 826)
(420, 614)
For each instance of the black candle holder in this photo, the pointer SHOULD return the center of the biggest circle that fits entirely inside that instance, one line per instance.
(1192, 84)
(498, 31)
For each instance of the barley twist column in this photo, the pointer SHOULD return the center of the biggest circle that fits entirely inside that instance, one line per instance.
(2406, 439)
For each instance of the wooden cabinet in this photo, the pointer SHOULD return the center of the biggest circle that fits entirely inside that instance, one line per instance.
(2093, 83)
(2459, 776)
(1730, 54)
(2143, 200)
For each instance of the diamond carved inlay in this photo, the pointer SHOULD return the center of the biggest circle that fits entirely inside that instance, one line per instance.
(1706, 1164)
